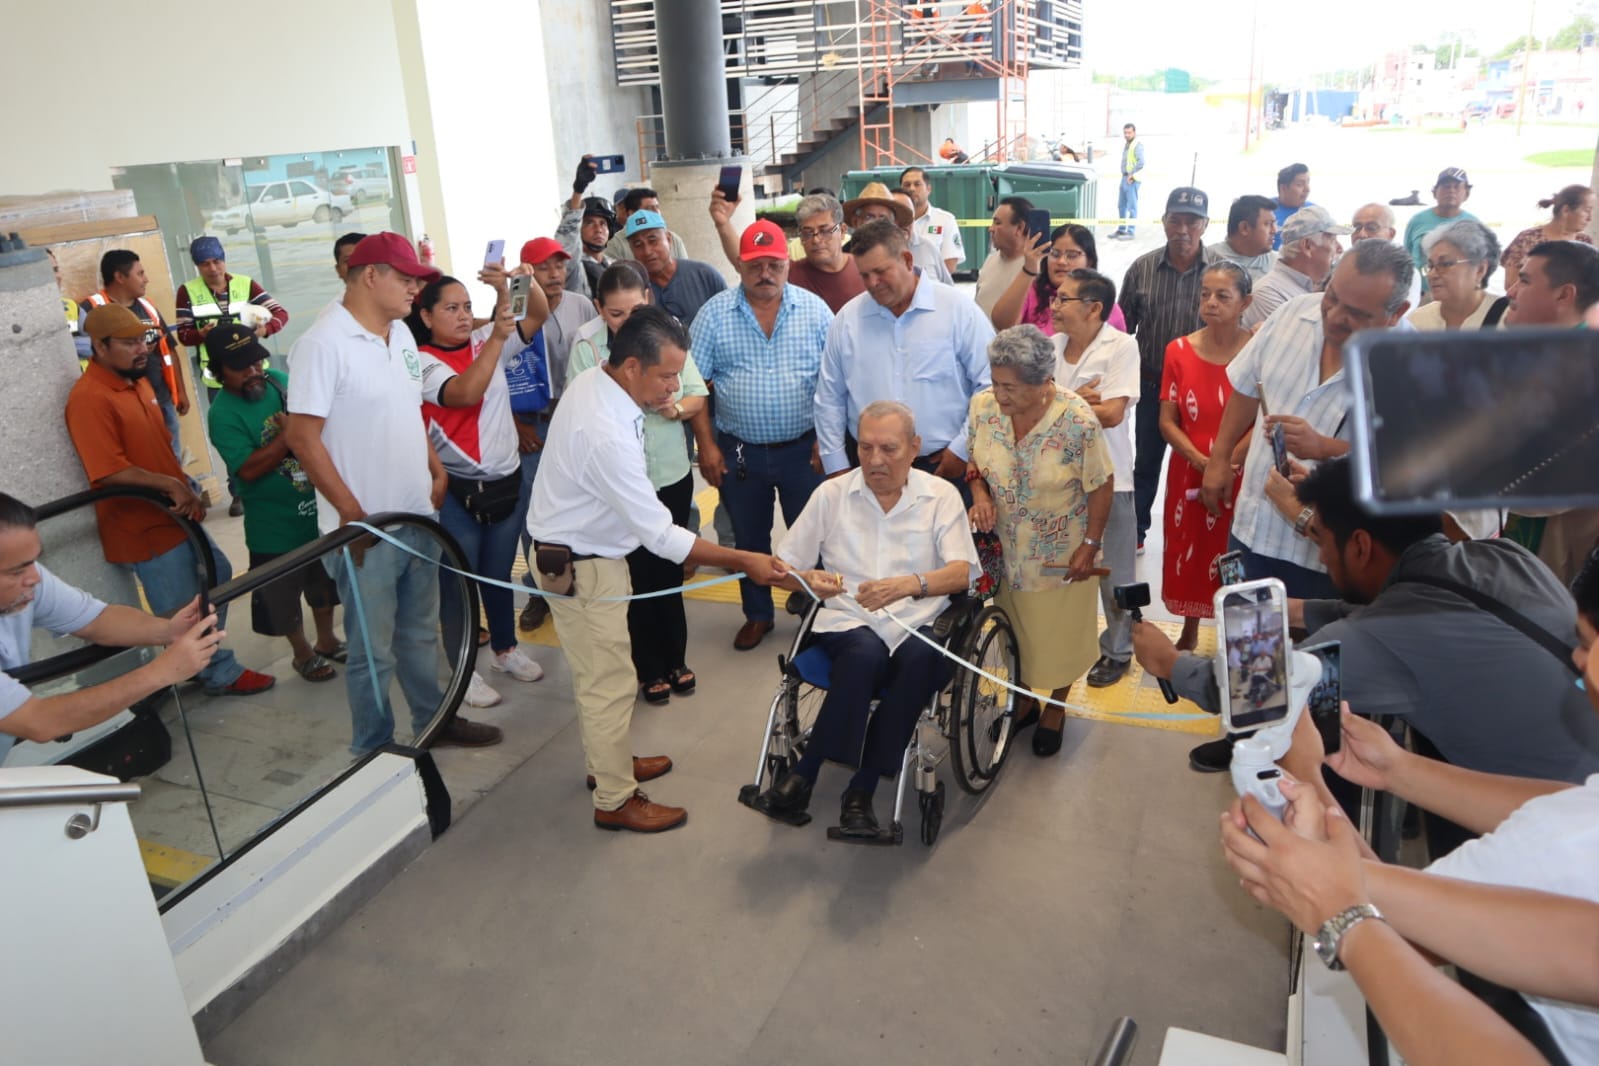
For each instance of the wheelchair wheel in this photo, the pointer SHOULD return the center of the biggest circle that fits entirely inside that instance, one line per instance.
(983, 711)
(801, 702)
(932, 804)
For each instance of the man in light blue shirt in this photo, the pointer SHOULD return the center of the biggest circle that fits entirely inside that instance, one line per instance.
(760, 346)
(31, 596)
(906, 339)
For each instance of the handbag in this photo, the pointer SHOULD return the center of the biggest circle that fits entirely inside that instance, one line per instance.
(488, 502)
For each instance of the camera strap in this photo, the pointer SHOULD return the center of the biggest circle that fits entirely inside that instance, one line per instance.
(1505, 613)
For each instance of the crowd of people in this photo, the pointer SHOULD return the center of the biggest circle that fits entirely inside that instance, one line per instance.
(888, 414)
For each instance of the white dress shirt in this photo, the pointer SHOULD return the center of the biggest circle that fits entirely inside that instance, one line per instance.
(592, 492)
(845, 526)
(1112, 357)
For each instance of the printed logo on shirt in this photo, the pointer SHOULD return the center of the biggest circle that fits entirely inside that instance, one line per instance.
(413, 365)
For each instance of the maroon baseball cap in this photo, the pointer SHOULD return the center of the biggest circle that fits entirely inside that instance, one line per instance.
(391, 250)
(539, 249)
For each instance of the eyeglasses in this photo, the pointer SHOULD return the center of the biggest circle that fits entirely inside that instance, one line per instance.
(819, 234)
(1059, 299)
(1069, 255)
(1438, 266)
(1372, 228)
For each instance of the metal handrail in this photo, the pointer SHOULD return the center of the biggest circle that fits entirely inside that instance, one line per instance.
(1118, 1045)
(66, 795)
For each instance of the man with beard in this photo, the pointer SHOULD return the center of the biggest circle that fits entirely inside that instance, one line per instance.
(246, 423)
(121, 438)
(760, 347)
(32, 597)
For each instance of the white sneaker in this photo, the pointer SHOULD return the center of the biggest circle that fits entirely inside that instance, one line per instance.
(478, 693)
(516, 664)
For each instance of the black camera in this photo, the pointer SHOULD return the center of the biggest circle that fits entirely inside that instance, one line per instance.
(1132, 597)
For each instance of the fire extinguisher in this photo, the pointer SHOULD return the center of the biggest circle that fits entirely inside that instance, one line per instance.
(424, 250)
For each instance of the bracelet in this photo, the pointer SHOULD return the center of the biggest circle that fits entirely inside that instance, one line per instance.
(1029, 273)
(922, 581)
(1092, 543)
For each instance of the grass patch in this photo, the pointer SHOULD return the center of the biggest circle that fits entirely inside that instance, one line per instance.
(1566, 157)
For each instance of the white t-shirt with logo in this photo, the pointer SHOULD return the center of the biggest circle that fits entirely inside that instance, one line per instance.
(939, 227)
(479, 444)
(369, 391)
(1112, 357)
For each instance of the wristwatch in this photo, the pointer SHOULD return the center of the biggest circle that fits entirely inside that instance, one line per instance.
(922, 581)
(1092, 543)
(1333, 929)
(677, 416)
(1302, 523)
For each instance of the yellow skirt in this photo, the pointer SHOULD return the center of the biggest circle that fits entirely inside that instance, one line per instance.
(1056, 629)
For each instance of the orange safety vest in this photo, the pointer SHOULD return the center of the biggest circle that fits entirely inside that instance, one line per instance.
(98, 299)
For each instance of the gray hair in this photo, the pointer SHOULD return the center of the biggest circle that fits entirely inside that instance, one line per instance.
(886, 409)
(1385, 214)
(1025, 350)
(816, 204)
(1306, 245)
(1380, 257)
(1475, 241)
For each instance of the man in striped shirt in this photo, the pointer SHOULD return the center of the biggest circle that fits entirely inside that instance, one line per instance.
(1292, 375)
(1160, 299)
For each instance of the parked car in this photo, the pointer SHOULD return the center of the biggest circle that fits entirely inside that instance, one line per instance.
(361, 183)
(282, 203)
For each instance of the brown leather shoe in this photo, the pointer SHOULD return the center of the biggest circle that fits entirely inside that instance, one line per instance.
(645, 768)
(463, 733)
(639, 815)
(750, 634)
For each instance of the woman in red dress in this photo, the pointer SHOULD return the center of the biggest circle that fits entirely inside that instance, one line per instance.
(1193, 394)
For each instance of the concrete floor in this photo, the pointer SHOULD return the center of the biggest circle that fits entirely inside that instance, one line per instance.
(1084, 888)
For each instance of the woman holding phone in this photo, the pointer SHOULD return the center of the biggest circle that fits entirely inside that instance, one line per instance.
(1193, 393)
(657, 627)
(1044, 266)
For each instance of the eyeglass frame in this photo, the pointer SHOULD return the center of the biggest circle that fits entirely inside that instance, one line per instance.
(1439, 268)
(807, 235)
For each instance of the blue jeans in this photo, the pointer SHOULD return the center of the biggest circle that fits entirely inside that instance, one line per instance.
(1301, 583)
(170, 581)
(1149, 459)
(391, 618)
(489, 550)
(1127, 204)
(530, 467)
(785, 471)
(169, 415)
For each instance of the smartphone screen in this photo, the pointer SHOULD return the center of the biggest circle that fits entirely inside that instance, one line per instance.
(1230, 568)
(519, 289)
(1279, 450)
(1038, 224)
(732, 176)
(1328, 693)
(494, 254)
(1254, 638)
(609, 164)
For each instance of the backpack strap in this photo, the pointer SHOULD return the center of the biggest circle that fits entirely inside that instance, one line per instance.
(1506, 614)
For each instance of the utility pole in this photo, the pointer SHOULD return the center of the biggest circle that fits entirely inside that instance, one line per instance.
(1249, 95)
(1526, 64)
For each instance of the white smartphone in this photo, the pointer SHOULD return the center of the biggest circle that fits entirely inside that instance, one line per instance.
(494, 254)
(1252, 638)
(519, 286)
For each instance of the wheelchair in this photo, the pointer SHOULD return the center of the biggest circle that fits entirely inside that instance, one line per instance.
(971, 721)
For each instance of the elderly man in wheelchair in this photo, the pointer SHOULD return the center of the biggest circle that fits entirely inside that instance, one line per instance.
(891, 540)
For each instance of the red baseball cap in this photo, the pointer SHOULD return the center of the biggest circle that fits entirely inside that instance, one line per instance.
(539, 249)
(391, 250)
(763, 240)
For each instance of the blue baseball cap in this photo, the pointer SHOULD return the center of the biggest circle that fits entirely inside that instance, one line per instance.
(205, 248)
(641, 220)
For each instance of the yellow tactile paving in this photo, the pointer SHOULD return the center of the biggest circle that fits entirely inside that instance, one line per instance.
(1137, 694)
(170, 867)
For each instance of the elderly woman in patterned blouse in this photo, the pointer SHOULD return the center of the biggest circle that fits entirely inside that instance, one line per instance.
(1040, 475)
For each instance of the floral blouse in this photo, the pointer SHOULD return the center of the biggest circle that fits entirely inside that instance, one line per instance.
(1040, 483)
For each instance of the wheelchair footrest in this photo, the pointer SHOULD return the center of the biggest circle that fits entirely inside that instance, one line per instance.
(750, 796)
(883, 838)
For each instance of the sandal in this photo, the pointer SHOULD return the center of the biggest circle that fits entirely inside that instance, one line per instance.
(315, 669)
(681, 680)
(339, 654)
(657, 691)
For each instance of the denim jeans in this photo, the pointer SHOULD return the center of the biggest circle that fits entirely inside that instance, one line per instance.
(489, 550)
(1127, 204)
(391, 620)
(530, 467)
(169, 415)
(1301, 582)
(170, 581)
(785, 472)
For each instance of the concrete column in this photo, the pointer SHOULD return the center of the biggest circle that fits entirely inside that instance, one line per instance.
(41, 465)
(688, 41)
(685, 190)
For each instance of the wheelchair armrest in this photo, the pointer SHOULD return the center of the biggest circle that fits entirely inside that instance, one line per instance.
(963, 607)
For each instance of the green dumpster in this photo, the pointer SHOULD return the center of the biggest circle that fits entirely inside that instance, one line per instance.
(971, 191)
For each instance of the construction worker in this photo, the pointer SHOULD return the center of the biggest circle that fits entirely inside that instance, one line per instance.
(125, 283)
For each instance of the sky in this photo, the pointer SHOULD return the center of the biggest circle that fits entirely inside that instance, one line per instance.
(1137, 36)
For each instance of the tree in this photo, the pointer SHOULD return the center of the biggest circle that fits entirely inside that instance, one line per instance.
(1525, 43)
(1571, 37)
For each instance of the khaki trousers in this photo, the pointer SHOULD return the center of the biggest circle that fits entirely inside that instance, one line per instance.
(594, 637)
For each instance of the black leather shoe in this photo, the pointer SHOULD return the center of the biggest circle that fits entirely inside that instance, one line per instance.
(1046, 742)
(855, 816)
(1212, 757)
(790, 795)
(1107, 672)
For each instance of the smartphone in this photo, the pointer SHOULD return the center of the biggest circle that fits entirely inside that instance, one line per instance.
(494, 254)
(1252, 633)
(520, 285)
(1230, 568)
(732, 177)
(1260, 395)
(1328, 694)
(1037, 224)
(608, 164)
(1279, 450)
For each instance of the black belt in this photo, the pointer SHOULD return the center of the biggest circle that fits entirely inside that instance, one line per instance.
(803, 438)
(577, 557)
